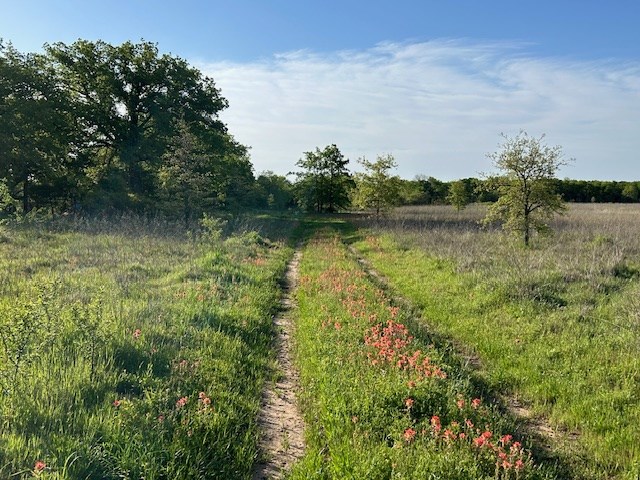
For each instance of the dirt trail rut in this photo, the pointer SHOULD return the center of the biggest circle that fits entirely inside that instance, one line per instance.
(539, 426)
(281, 425)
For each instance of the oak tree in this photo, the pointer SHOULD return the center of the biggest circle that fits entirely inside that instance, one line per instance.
(527, 198)
(376, 188)
(325, 182)
(128, 99)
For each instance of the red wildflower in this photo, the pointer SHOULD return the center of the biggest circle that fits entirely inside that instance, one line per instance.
(519, 465)
(409, 402)
(182, 402)
(409, 434)
(39, 466)
(117, 403)
(460, 403)
(136, 333)
(479, 441)
(475, 403)
(435, 423)
(506, 440)
(449, 435)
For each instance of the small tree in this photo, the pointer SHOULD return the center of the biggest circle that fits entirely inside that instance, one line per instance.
(325, 183)
(376, 188)
(7, 203)
(527, 199)
(631, 192)
(186, 175)
(460, 194)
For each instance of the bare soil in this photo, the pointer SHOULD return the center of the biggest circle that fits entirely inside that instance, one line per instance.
(281, 425)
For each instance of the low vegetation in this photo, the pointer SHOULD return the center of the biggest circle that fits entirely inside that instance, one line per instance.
(129, 349)
(380, 400)
(555, 327)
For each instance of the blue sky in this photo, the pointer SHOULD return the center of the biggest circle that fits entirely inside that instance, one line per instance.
(432, 82)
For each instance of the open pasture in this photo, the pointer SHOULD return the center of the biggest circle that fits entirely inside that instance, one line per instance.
(555, 327)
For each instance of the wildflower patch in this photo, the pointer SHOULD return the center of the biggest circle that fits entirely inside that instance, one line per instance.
(380, 400)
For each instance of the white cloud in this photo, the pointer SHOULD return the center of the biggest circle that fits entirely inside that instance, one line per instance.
(438, 107)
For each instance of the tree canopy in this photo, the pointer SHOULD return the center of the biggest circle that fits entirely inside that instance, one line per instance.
(375, 187)
(35, 129)
(128, 100)
(527, 198)
(325, 182)
(98, 122)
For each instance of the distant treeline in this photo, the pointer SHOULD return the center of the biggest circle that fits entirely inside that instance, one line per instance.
(429, 190)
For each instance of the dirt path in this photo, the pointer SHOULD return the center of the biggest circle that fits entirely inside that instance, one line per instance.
(280, 423)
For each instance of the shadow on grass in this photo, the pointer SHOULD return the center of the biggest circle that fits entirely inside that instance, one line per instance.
(464, 362)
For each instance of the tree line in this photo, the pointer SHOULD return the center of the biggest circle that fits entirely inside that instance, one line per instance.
(101, 126)
(92, 126)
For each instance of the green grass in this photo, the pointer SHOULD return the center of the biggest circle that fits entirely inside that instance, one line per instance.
(129, 349)
(555, 326)
(379, 399)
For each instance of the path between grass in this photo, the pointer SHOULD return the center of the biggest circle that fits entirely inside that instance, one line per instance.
(537, 427)
(280, 423)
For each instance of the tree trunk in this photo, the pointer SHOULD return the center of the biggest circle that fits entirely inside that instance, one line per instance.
(25, 195)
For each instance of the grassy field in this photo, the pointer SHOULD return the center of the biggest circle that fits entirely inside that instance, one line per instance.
(130, 349)
(380, 399)
(556, 327)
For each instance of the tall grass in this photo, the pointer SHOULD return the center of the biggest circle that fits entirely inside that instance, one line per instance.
(130, 348)
(555, 326)
(380, 400)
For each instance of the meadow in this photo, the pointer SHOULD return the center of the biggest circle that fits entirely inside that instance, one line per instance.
(380, 399)
(552, 330)
(131, 348)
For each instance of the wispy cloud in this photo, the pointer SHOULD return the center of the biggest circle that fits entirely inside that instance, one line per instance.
(438, 106)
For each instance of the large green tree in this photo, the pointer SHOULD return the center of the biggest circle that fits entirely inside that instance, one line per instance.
(527, 197)
(128, 100)
(325, 182)
(36, 131)
(376, 188)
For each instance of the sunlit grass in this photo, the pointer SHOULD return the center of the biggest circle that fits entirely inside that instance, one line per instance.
(380, 399)
(555, 325)
(133, 350)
